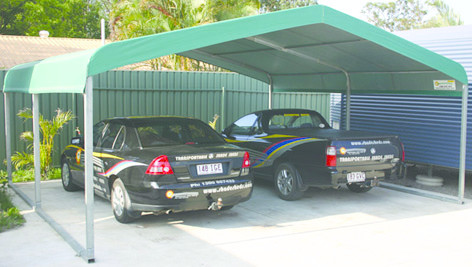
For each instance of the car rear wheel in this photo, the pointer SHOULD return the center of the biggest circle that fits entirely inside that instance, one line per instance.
(358, 188)
(120, 203)
(66, 178)
(286, 182)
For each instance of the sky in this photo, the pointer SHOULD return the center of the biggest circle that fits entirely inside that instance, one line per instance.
(354, 7)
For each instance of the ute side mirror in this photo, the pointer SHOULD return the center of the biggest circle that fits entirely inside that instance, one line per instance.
(77, 141)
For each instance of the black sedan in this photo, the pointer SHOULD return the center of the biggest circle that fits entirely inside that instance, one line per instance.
(160, 165)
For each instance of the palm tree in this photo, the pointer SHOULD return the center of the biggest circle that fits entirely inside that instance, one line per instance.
(134, 18)
(48, 130)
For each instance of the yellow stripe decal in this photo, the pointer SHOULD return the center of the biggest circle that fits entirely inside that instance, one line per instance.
(104, 155)
(97, 154)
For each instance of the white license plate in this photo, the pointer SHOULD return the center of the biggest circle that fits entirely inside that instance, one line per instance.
(206, 169)
(355, 177)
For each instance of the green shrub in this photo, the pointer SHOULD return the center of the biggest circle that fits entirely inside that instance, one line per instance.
(10, 218)
(9, 215)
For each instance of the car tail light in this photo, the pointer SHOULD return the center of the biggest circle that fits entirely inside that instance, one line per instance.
(160, 166)
(246, 161)
(331, 156)
(403, 152)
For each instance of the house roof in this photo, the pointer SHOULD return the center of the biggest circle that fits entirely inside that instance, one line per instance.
(316, 49)
(15, 50)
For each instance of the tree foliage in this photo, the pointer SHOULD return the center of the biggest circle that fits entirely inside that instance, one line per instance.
(445, 16)
(410, 14)
(275, 5)
(61, 18)
(11, 16)
(229, 9)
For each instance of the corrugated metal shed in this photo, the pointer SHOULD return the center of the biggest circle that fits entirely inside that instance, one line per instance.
(429, 126)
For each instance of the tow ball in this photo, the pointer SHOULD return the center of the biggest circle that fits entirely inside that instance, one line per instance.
(216, 205)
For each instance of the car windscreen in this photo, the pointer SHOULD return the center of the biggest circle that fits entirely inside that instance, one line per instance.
(296, 121)
(174, 132)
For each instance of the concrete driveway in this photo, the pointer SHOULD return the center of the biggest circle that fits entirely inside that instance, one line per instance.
(326, 228)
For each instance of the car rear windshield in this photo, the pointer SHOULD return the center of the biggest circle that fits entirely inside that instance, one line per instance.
(170, 132)
(295, 120)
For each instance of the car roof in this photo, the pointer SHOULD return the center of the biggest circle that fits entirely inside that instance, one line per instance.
(133, 120)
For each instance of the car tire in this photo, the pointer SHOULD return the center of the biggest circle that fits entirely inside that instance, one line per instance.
(120, 203)
(66, 177)
(357, 188)
(286, 182)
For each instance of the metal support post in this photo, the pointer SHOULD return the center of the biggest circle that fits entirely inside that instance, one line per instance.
(463, 144)
(6, 100)
(88, 133)
(348, 101)
(271, 88)
(222, 121)
(37, 153)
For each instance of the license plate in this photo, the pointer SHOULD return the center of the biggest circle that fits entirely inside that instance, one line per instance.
(206, 169)
(355, 177)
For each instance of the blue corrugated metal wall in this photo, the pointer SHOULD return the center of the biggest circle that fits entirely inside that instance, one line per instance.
(429, 126)
(133, 93)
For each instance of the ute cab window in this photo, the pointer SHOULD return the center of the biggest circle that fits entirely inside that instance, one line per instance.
(296, 121)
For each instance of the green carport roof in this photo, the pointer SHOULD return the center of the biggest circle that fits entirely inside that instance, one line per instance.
(310, 49)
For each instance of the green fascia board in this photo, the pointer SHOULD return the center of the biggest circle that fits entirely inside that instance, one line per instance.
(68, 73)
(60, 74)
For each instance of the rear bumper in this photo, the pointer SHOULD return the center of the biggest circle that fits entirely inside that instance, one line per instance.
(192, 196)
(333, 177)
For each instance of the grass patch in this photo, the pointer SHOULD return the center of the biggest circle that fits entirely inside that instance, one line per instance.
(9, 215)
(19, 176)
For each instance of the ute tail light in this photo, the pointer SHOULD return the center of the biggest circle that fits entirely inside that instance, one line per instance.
(160, 166)
(331, 156)
(403, 152)
(246, 161)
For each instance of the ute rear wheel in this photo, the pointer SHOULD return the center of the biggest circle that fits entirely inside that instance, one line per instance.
(286, 182)
(358, 188)
(121, 204)
(66, 178)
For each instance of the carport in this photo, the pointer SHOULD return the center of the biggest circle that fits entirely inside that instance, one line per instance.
(313, 49)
